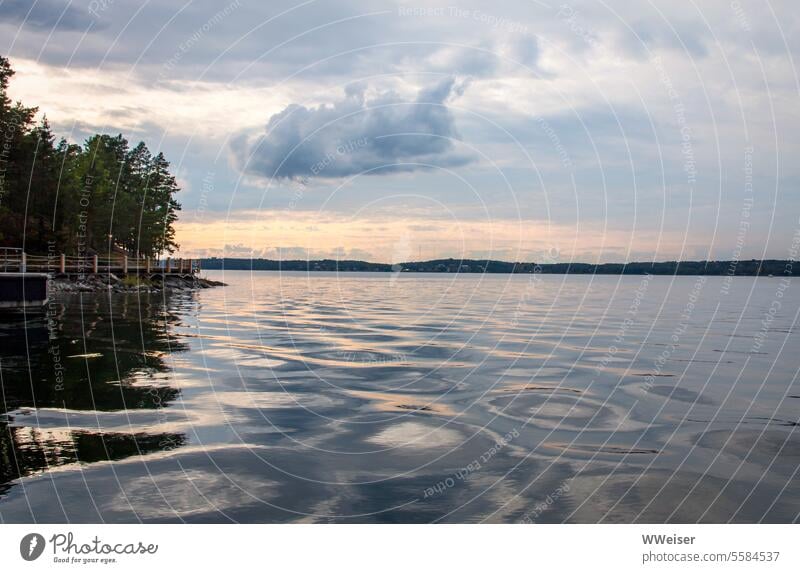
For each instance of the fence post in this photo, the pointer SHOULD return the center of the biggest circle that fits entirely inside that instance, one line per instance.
(23, 262)
(147, 264)
(62, 264)
(124, 264)
(94, 264)
(169, 261)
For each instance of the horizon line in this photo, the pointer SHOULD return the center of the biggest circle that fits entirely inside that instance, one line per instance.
(485, 260)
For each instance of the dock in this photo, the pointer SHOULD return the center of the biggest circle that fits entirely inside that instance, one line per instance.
(24, 277)
(23, 290)
(18, 261)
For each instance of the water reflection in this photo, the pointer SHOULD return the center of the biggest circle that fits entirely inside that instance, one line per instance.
(358, 398)
(86, 357)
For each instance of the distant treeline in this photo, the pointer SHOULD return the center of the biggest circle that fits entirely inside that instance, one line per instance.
(100, 197)
(721, 268)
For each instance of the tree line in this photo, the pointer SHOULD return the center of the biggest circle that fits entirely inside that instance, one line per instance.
(100, 197)
(752, 267)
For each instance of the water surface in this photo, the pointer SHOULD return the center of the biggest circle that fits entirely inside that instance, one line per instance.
(364, 397)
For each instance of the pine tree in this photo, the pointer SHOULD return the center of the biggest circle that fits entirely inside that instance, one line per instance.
(101, 197)
(15, 161)
(139, 162)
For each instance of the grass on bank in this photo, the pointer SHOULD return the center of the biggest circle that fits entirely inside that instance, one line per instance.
(135, 281)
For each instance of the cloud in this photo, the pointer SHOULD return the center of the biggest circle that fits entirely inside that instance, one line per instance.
(688, 37)
(525, 49)
(45, 14)
(379, 134)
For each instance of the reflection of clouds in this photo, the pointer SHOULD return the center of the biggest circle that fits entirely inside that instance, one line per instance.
(782, 448)
(141, 421)
(343, 443)
(269, 400)
(656, 496)
(206, 411)
(415, 435)
(220, 352)
(393, 402)
(191, 492)
(564, 411)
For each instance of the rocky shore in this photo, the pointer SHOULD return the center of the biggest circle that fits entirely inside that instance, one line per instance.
(110, 282)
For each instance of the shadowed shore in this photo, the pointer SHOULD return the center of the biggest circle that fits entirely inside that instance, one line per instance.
(750, 267)
(109, 281)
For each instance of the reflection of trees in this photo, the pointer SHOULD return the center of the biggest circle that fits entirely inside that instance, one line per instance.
(27, 451)
(123, 341)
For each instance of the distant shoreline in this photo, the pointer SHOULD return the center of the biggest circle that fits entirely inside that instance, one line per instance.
(751, 267)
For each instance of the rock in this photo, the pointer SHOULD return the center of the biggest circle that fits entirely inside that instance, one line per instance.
(112, 283)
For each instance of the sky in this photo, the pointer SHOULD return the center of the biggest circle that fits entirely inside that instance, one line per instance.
(393, 131)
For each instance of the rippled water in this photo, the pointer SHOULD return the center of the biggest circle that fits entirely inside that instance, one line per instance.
(407, 398)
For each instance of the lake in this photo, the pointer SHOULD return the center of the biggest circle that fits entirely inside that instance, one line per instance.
(383, 397)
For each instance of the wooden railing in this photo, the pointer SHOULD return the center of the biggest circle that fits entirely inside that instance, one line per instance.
(17, 260)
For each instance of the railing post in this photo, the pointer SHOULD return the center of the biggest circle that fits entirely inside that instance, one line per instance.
(180, 266)
(147, 264)
(124, 264)
(23, 262)
(94, 264)
(62, 264)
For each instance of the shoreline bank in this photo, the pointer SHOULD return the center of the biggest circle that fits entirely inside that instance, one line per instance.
(751, 267)
(110, 282)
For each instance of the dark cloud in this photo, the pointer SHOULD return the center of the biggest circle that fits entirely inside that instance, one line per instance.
(45, 14)
(377, 135)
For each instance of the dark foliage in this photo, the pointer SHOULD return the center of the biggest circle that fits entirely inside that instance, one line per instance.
(101, 197)
(720, 268)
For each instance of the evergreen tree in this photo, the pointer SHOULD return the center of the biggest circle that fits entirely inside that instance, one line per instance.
(162, 208)
(102, 197)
